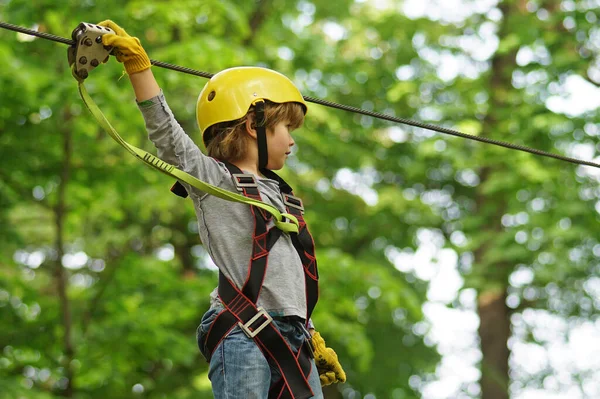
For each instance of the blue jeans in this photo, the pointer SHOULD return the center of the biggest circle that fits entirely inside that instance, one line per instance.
(238, 369)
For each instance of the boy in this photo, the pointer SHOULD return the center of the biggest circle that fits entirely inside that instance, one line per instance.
(254, 334)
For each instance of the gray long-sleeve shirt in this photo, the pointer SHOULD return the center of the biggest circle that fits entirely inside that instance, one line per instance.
(225, 227)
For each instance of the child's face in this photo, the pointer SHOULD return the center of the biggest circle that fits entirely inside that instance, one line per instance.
(279, 145)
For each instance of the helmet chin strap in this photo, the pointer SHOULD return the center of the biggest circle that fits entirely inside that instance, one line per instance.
(261, 135)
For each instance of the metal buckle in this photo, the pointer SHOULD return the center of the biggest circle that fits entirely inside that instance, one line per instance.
(297, 205)
(308, 338)
(237, 180)
(310, 348)
(246, 327)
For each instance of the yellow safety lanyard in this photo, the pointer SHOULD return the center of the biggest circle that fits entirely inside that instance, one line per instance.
(289, 226)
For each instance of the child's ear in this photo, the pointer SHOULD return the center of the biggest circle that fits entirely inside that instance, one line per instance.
(251, 126)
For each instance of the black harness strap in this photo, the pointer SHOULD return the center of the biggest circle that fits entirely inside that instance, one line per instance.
(303, 241)
(240, 304)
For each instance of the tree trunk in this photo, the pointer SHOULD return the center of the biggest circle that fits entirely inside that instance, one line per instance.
(494, 315)
(494, 331)
(60, 213)
(256, 20)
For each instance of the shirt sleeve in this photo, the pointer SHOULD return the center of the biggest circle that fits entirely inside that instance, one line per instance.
(176, 147)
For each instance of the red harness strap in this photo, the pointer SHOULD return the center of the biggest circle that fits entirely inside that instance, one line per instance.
(240, 304)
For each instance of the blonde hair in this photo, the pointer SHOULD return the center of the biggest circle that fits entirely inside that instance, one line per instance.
(228, 141)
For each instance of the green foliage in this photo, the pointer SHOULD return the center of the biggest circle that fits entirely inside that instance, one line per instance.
(75, 208)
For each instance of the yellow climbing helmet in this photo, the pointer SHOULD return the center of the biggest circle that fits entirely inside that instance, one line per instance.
(230, 93)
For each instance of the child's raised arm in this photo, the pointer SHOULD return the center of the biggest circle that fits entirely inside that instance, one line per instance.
(144, 85)
(173, 144)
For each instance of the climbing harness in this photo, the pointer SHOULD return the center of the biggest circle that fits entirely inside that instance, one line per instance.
(331, 104)
(240, 304)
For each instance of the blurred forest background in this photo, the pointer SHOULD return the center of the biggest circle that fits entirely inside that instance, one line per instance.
(449, 268)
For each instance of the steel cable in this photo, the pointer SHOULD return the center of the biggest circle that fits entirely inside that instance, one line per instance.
(331, 104)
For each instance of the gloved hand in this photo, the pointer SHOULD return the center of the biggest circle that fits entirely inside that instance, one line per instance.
(128, 50)
(328, 365)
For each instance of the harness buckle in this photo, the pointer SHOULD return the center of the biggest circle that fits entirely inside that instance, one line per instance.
(292, 202)
(246, 327)
(308, 339)
(244, 180)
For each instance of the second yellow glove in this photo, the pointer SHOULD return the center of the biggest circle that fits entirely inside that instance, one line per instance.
(128, 49)
(328, 365)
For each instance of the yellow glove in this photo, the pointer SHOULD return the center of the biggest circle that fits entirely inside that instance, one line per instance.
(128, 50)
(328, 365)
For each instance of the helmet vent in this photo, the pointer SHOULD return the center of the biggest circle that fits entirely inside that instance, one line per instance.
(211, 95)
